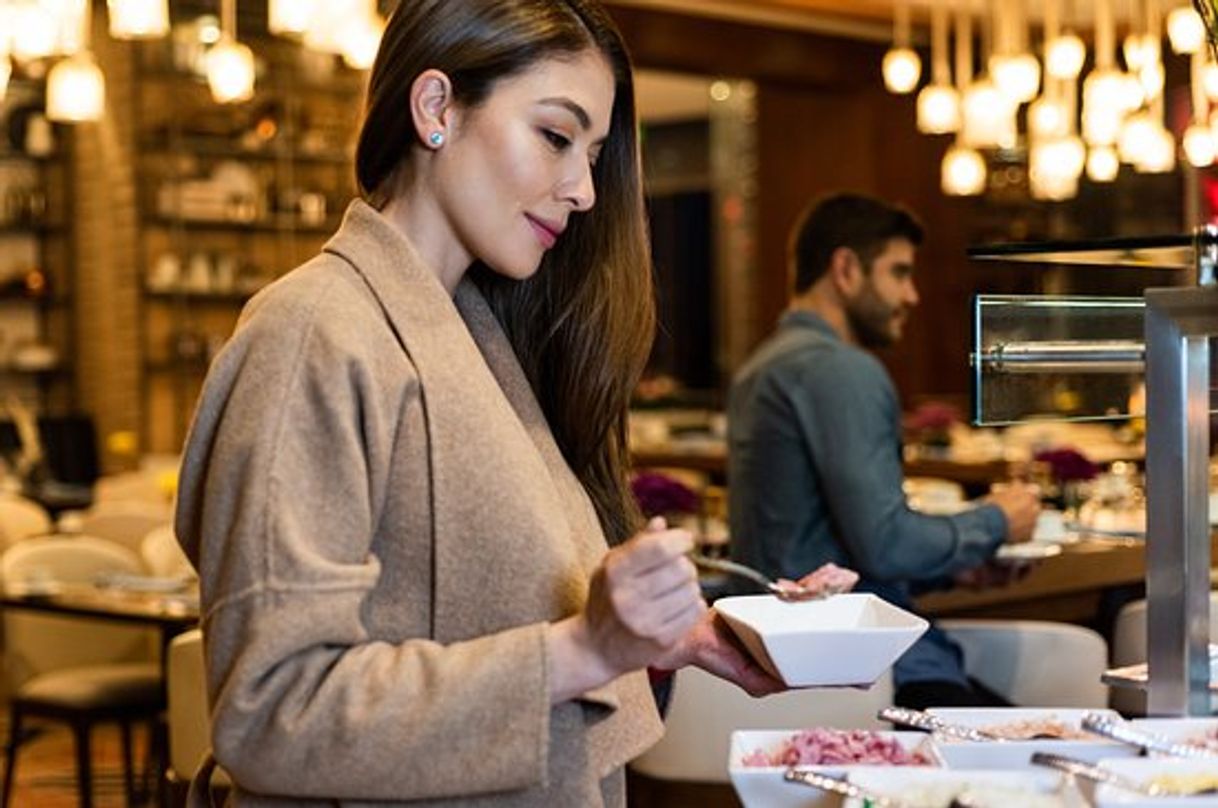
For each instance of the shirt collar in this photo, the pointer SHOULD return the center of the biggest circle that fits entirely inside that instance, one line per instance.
(801, 318)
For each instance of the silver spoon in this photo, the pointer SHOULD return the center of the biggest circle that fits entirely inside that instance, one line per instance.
(788, 592)
(1121, 731)
(1089, 771)
(845, 788)
(931, 723)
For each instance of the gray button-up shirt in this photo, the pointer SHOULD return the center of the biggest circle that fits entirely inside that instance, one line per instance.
(815, 476)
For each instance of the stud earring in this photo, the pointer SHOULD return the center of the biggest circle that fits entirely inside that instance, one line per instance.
(436, 139)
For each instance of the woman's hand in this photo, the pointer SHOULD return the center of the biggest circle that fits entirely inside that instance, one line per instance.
(712, 646)
(642, 601)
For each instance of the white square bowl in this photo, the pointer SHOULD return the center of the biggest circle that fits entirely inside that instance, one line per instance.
(1040, 788)
(959, 754)
(846, 639)
(1144, 770)
(764, 786)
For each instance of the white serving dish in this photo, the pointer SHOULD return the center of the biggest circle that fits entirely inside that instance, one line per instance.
(764, 786)
(1146, 769)
(959, 754)
(1180, 730)
(845, 639)
(907, 784)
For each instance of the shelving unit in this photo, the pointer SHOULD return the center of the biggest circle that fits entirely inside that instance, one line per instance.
(35, 289)
(229, 198)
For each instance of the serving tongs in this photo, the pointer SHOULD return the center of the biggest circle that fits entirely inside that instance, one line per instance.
(925, 721)
(837, 785)
(1098, 774)
(1121, 731)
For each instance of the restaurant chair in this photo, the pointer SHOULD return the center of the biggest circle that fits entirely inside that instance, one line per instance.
(1009, 657)
(1129, 648)
(189, 716)
(706, 709)
(125, 523)
(72, 670)
(163, 557)
(21, 518)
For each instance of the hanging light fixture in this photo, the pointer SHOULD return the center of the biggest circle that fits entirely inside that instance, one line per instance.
(1011, 66)
(290, 17)
(230, 65)
(963, 172)
(1185, 30)
(35, 34)
(328, 21)
(361, 37)
(76, 88)
(1064, 56)
(1103, 165)
(901, 66)
(138, 19)
(939, 103)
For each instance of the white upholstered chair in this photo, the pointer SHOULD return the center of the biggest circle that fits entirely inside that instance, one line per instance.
(125, 523)
(21, 518)
(163, 556)
(1129, 635)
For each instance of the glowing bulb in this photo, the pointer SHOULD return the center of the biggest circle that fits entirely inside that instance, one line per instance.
(1104, 89)
(1150, 77)
(35, 32)
(1137, 138)
(360, 41)
(1209, 80)
(938, 109)
(1101, 126)
(963, 172)
(1052, 171)
(329, 19)
(1199, 145)
(1140, 50)
(1064, 57)
(230, 72)
(6, 70)
(902, 68)
(1048, 118)
(1018, 76)
(138, 19)
(1160, 155)
(290, 16)
(1185, 30)
(1102, 164)
(989, 116)
(76, 90)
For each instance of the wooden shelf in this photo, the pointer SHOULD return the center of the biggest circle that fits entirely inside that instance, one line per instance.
(283, 225)
(171, 296)
(219, 149)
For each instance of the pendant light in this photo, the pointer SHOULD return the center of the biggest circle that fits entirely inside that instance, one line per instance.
(938, 102)
(1185, 30)
(138, 19)
(230, 65)
(361, 37)
(290, 17)
(901, 66)
(1103, 164)
(963, 171)
(76, 88)
(35, 34)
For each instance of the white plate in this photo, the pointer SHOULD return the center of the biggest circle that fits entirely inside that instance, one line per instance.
(1028, 551)
(843, 640)
(1018, 754)
(1146, 769)
(907, 784)
(763, 786)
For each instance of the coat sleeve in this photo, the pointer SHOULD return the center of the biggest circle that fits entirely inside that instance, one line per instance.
(281, 486)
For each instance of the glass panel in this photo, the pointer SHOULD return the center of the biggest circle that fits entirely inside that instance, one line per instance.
(1156, 252)
(1063, 358)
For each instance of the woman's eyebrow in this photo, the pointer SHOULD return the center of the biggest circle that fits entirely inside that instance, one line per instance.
(575, 109)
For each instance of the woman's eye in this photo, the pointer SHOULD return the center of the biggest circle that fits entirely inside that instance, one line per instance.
(555, 139)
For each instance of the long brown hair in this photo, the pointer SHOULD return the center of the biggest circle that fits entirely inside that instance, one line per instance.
(583, 325)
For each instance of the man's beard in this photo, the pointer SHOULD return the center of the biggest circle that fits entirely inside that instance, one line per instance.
(871, 319)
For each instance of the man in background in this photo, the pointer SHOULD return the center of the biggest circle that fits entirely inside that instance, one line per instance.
(814, 437)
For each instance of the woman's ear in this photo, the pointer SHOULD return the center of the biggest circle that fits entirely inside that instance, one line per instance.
(431, 107)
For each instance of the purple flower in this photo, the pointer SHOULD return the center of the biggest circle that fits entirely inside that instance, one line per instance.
(932, 416)
(659, 494)
(1067, 464)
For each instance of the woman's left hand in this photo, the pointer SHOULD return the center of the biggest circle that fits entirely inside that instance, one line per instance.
(711, 646)
(825, 579)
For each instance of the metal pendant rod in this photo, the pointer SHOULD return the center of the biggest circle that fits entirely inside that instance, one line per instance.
(1074, 356)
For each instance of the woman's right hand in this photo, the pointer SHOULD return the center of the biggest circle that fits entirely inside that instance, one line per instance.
(642, 600)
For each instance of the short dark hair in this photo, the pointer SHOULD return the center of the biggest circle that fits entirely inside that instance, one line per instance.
(862, 223)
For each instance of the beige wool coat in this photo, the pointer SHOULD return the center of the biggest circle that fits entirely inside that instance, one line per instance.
(383, 527)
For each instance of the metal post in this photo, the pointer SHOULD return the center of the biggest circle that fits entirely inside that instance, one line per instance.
(1178, 325)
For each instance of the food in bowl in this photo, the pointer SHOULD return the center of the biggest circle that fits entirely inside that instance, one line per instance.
(1186, 783)
(827, 747)
(1048, 727)
(945, 795)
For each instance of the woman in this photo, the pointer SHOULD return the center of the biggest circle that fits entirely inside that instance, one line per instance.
(407, 461)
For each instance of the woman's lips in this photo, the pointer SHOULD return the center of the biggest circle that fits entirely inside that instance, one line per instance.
(546, 233)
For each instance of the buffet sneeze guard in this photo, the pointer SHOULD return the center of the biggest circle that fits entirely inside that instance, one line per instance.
(1087, 358)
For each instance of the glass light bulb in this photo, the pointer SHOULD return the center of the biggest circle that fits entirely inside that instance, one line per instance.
(1064, 57)
(138, 19)
(1185, 30)
(328, 19)
(1160, 154)
(230, 72)
(1151, 79)
(1101, 126)
(902, 68)
(1137, 139)
(1017, 76)
(963, 172)
(938, 109)
(76, 90)
(361, 39)
(1048, 118)
(1140, 50)
(1199, 145)
(1103, 89)
(290, 16)
(35, 32)
(989, 117)
(1103, 164)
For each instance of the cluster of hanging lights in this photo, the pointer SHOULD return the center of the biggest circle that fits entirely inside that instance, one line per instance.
(1114, 117)
(35, 30)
